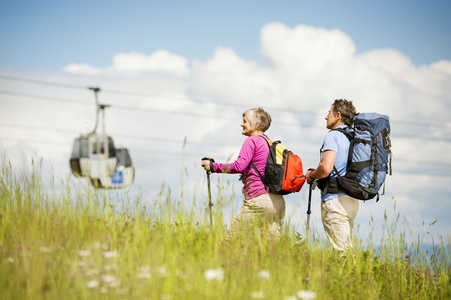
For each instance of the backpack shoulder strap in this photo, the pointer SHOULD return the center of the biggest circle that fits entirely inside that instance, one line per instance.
(351, 137)
(348, 134)
(352, 140)
(258, 172)
(345, 132)
(269, 142)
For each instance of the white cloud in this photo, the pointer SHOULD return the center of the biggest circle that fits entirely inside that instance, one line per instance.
(226, 76)
(81, 69)
(443, 66)
(159, 61)
(390, 60)
(134, 63)
(304, 48)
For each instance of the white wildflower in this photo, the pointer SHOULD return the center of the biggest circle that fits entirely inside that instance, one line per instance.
(10, 260)
(264, 275)
(84, 253)
(108, 278)
(166, 296)
(46, 249)
(162, 272)
(143, 272)
(81, 264)
(110, 254)
(144, 269)
(93, 284)
(96, 245)
(143, 275)
(290, 298)
(306, 295)
(110, 267)
(258, 295)
(214, 274)
(92, 272)
(114, 284)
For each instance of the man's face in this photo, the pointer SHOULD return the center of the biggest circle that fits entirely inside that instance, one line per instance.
(332, 118)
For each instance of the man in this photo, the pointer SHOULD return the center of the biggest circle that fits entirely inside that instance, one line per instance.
(338, 210)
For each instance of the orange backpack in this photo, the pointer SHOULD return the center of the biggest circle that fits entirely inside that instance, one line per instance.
(283, 170)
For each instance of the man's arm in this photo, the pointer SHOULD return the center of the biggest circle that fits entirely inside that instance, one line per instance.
(324, 168)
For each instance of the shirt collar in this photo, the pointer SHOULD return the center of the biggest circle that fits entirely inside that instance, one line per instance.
(342, 126)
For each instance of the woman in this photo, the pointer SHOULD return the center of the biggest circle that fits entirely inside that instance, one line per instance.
(258, 205)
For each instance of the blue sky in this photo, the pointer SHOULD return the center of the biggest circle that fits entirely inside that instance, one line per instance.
(51, 34)
(199, 64)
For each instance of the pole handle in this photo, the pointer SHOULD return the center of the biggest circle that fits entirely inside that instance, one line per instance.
(211, 160)
(208, 158)
(309, 199)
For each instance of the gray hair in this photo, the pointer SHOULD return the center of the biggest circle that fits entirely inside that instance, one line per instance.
(259, 116)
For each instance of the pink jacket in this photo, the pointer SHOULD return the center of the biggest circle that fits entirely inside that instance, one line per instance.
(255, 149)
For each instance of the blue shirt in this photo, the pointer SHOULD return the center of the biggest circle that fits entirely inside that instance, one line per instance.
(339, 143)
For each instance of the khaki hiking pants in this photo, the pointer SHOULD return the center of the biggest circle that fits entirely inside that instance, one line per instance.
(338, 219)
(264, 210)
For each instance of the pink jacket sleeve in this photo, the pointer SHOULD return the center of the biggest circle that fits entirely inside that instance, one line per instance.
(242, 162)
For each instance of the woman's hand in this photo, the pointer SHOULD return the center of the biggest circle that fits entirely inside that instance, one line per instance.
(206, 164)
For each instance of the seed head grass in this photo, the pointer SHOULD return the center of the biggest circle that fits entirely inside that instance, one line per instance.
(74, 242)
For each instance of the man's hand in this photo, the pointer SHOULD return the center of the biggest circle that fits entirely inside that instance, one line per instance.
(308, 176)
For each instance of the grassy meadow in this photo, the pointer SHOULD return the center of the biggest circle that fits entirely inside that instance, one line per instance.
(78, 245)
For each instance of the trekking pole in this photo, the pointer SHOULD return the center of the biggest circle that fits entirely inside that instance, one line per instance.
(210, 204)
(312, 186)
(309, 205)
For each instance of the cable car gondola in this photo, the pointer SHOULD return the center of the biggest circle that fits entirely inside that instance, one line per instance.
(95, 157)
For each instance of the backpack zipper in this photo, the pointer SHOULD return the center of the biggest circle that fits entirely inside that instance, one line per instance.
(286, 164)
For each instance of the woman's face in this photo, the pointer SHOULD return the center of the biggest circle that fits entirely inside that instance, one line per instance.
(248, 128)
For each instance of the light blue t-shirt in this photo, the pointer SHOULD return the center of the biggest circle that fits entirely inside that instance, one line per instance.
(338, 142)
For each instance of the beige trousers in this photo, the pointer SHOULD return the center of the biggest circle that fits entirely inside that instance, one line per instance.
(338, 219)
(264, 210)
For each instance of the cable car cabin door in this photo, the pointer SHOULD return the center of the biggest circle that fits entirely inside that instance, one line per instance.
(125, 172)
(102, 162)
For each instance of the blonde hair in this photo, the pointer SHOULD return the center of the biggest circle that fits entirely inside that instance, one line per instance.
(258, 116)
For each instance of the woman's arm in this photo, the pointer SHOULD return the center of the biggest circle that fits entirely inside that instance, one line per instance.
(240, 164)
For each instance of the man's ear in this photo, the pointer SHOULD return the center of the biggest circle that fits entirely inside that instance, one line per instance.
(339, 115)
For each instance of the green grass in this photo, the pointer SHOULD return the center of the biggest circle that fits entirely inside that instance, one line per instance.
(74, 244)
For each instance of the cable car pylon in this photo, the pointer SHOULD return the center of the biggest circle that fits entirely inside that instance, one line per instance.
(95, 157)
